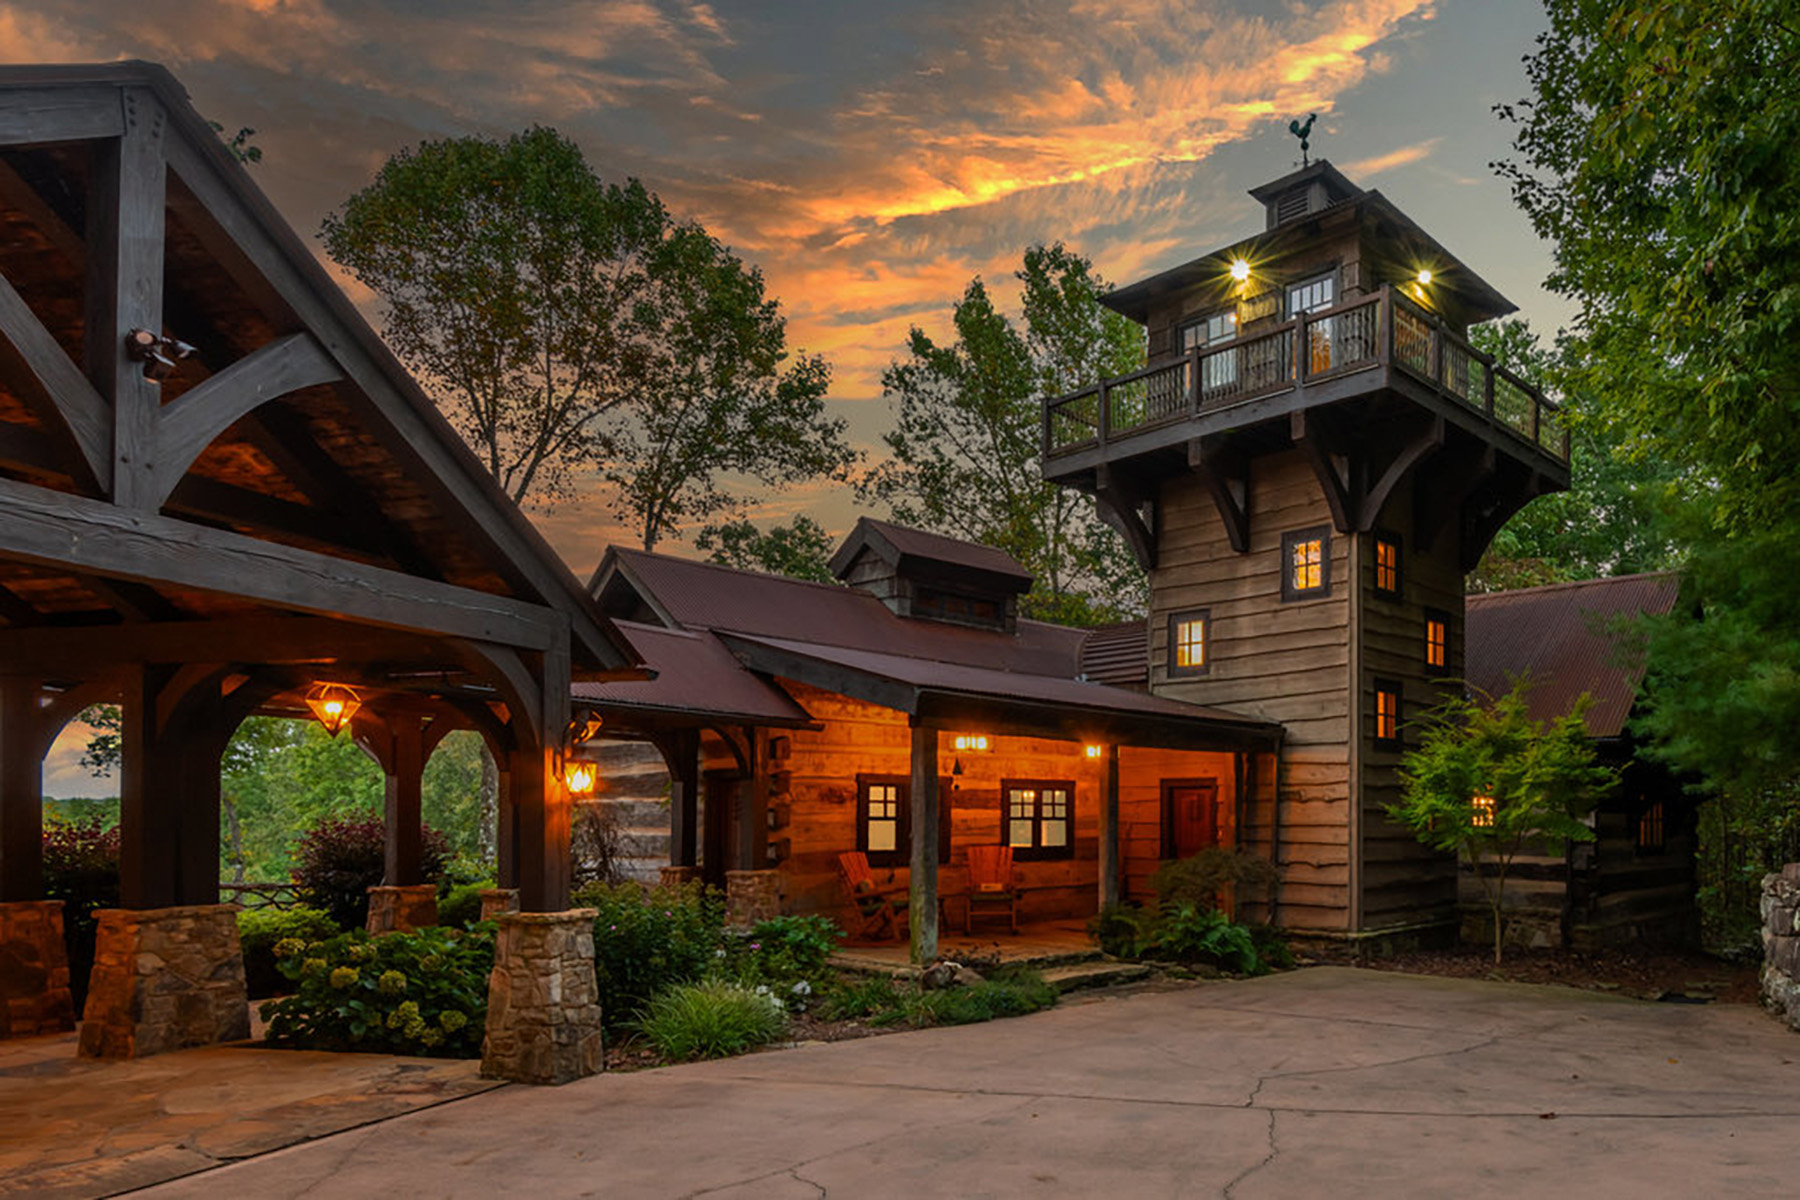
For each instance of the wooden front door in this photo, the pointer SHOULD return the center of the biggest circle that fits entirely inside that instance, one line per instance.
(1190, 816)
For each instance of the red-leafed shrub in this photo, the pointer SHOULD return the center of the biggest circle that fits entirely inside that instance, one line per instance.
(341, 858)
(81, 868)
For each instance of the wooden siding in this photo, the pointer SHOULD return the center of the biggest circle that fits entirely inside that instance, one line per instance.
(1285, 662)
(1141, 776)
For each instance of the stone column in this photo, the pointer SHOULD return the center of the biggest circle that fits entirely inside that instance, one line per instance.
(543, 1017)
(496, 902)
(165, 979)
(34, 970)
(751, 896)
(677, 876)
(402, 909)
(1781, 944)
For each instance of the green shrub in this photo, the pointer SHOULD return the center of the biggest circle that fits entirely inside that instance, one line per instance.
(339, 859)
(855, 996)
(783, 949)
(1199, 880)
(460, 907)
(81, 868)
(648, 940)
(711, 1019)
(423, 992)
(259, 929)
(1122, 930)
(1188, 933)
(1011, 995)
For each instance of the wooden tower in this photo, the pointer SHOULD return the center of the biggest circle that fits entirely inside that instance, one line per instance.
(1313, 459)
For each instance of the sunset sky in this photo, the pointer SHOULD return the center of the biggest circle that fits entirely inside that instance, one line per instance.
(870, 156)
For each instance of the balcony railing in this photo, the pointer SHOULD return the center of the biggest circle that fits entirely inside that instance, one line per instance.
(1384, 327)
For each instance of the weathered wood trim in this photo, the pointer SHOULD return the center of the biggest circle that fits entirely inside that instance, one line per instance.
(186, 427)
(84, 535)
(34, 116)
(47, 380)
(922, 914)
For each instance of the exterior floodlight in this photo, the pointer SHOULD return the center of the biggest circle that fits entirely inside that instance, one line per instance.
(1424, 276)
(1240, 269)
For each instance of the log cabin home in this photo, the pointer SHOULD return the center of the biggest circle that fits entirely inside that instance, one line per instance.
(909, 715)
(1635, 882)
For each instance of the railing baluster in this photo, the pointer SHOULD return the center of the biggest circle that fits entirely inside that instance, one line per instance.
(1105, 413)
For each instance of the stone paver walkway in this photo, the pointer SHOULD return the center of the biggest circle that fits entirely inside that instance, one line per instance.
(74, 1127)
(1325, 1082)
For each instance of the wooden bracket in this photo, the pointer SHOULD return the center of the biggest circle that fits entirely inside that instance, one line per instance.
(1121, 506)
(1428, 441)
(1341, 475)
(1449, 480)
(1227, 478)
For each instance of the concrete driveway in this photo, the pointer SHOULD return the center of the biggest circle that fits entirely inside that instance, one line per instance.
(1325, 1082)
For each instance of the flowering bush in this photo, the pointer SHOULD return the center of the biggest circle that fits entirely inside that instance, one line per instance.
(786, 949)
(260, 930)
(648, 940)
(423, 992)
(81, 868)
(341, 858)
(712, 1019)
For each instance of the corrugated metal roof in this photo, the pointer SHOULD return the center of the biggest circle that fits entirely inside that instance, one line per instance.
(1117, 654)
(696, 676)
(700, 595)
(915, 549)
(1561, 635)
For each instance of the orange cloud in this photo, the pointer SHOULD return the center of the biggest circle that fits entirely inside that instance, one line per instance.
(1394, 158)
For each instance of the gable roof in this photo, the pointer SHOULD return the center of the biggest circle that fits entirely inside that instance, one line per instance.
(293, 425)
(1561, 636)
(695, 675)
(918, 553)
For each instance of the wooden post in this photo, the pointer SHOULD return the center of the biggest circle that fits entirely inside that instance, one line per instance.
(716, 826)
(681, 752)
(148, 831)
(750, 807)
(21, 793)
(403, 808)
(923, 893)
(1109, 830)
(197, 793)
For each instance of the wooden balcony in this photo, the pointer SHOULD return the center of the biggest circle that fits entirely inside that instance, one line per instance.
(1378, 346)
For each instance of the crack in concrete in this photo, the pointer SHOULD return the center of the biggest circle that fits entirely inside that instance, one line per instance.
(1274, 1149)
(813, 1183)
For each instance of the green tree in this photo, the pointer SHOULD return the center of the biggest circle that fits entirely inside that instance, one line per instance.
(517, 286)
(1657, 154)
(964, 455)
(1487, 782)
(801, 550)
(713, 396)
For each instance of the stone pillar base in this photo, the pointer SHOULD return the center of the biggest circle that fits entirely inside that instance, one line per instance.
(677, 876)
(496, 901)
(1781, 944)
(543, 1016)
(751, 896)
(34, 970)
(165, 979)
(401, 909)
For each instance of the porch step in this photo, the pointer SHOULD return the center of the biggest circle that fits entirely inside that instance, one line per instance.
(1104, 973)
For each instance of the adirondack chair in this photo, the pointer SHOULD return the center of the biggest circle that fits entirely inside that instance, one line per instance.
(876, 902)
(992, 889)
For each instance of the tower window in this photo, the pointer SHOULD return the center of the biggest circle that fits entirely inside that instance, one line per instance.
(1189, 632)
(1437, 642)
(1387, 565)
(1387, 714)
(1651, 837)
(1306, 563)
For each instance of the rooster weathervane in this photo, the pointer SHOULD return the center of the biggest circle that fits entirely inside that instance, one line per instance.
(1303, 132)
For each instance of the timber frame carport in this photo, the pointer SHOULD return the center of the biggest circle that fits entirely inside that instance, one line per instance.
(207, 537)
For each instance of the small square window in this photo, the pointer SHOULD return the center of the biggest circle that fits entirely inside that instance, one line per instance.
(1387, 565)
(1306, 563)
(1651, 836)
(882, 829)
(1038, 818)
(1189, 634)
(1387, 713)
(1437, 642)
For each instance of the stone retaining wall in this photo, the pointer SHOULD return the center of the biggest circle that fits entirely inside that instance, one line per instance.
(1781, 944)
(34, 970)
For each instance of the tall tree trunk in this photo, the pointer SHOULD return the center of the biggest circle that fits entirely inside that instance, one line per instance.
(488, 832)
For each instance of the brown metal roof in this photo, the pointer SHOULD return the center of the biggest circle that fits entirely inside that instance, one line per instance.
(697, 679)
(1561, 635)
(696, 595)
(1117, 655)
(914, 551)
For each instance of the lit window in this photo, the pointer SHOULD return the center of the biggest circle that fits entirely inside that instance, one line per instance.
(1306, 555)
(882, 831)
(1651, 838)
(1188, 651)
(1387, 713)
(1039, 818)
(1481, 812)
(1387, 565)
(1437, 642)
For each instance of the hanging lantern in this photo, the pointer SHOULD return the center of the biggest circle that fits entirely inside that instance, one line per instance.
(580, 776)
(333, 704)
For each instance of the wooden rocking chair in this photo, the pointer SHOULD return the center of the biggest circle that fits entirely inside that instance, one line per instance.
(876, 903)
(992, 888)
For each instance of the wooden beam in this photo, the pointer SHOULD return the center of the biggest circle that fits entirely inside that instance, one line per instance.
(21, 792)
(922, 801)
(1121, 506)
(15, 611)
(186, 427)
(680, 749)
(125, 219)
(1227, 480)
(59, 114)
(1342, 494)
(134, 601)
(403, 804)
(47, 380)
(1426, 442)
(1450, 479)
(224, 505)
(270, 639)
(88, 536)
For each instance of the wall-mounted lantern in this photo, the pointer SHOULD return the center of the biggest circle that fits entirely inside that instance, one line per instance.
(333, 705)
(580, 776)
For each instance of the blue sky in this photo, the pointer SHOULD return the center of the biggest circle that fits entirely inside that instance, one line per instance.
(871, 157)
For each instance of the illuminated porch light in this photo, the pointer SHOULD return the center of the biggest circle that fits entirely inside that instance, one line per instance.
(1094, 751)
(1240, 269)
(1424, 276)
(333, 705)
(971, 743)
(579, 776)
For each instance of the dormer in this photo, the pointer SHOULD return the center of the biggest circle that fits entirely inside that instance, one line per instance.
(929, 577)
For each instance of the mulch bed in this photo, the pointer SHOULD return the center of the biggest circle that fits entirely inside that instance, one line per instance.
(1668, 975)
